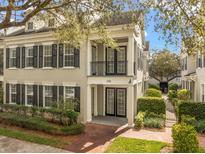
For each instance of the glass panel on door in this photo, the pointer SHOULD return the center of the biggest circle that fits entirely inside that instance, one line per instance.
(121, 60)
(121, 102)
(110, 107)
(110, 65)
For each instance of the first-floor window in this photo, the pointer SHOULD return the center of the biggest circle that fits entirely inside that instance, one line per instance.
(13, 94)
(29, 95)
(69, 92)
(48, 56)
(48, 96)
(203, 93)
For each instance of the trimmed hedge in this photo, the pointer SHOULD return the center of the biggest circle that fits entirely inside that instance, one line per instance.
(151, 104)
(139, 120)
(153, 93)
(154, 86)
(184, 94)
(184, 139)
(194, 109)
(173, 86)
(172, 94)
(66, 118)
(40, 124)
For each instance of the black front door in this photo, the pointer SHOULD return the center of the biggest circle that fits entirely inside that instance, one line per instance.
(116, 63)
(116, 101)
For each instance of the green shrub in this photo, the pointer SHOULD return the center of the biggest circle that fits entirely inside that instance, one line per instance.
(189, 120)
(184, 94)
(194, 109)
(154, 122)
(139, 120)
(172, 94)
(153, 93)
(200, 126)
(154, 86)
(55, 115)
(184, 139)
(173, 86)
(151, 104)
(154, 115)
(40, 124)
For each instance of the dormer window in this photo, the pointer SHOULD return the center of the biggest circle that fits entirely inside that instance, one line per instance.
(51, 22)
(30, 25)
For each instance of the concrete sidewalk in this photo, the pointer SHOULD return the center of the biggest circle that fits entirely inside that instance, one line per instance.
(11, 145)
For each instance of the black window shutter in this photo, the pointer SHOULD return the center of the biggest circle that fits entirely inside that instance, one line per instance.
(77, 96)
(35, 95)
(7, 57)
(61, 55)
(77, 57)
(7, 93)
(18, 57)
(40, 96)
(35, 56)
(54, 55)
(18, 94)
(40, 56)
(55, 93)
(23, 94)
(61, 93)
(23, 57)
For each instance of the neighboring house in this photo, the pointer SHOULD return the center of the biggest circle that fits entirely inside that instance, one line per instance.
(176, 80)
(193, 75)
(39, 71)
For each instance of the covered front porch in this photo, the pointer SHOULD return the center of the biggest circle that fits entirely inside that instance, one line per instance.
(112, 104)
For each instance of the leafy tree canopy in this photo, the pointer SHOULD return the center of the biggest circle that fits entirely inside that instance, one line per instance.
(164, 64)
(183, 19)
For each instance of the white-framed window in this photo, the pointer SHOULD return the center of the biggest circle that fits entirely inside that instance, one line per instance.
(29, 95)
(69, 92)
(29, 57)
(68, 56)
(51, 22)
(203, 92)
(13, 94)
(47, 55)
(48, 96)
(30, 25)
(12, 58)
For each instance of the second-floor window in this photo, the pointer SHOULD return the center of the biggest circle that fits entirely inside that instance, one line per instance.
(51, 22)
(29, 57)
(48, 96)
(12, 58)
(68, 56)
(30, 25)
(29, 95)
(13, 94)
(48, 56)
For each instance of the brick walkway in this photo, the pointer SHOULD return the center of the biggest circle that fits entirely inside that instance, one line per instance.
(11, 145)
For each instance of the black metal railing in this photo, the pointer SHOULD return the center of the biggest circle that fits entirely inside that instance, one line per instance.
(102, 68)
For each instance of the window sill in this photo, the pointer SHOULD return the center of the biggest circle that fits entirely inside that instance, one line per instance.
(48, 68)
(12, 103)
(69, 67)
(12, 68)
(29, 68)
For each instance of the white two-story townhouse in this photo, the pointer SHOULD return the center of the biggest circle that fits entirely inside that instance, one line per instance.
(193, 75)
(107, 82)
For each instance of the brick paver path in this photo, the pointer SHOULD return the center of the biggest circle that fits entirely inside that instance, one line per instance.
(11, 145)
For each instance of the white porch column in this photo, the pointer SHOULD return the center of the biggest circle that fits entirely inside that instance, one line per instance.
(88, 112)
(130, 55)
(89, 56)
(130, 105)
(95, 101)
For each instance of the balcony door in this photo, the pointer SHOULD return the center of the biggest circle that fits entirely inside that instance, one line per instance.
(116, 61)
(116, 102)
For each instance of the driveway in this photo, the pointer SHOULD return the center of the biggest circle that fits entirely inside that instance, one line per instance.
(11, 145)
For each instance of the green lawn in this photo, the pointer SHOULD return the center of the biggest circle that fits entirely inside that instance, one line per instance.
(131, 145)
(30, 137)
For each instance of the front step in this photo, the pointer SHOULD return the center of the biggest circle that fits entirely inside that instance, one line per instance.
(170, 122)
